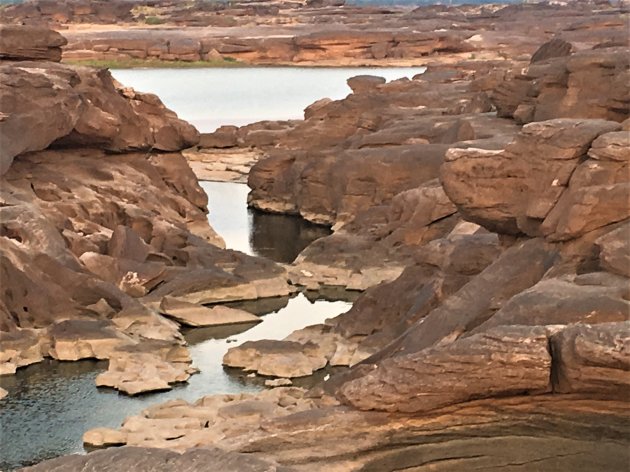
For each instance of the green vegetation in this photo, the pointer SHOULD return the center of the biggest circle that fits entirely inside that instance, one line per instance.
(154, 63)
(154, 20)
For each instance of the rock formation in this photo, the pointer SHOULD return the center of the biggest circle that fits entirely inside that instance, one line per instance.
(101, 219)
(483, 209)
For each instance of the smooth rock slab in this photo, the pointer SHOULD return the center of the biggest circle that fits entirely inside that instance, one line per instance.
(152, 366)
(505, 361)
(592, 358)
(287, 359)
(72, 340)
(158, 460)
(194, 315)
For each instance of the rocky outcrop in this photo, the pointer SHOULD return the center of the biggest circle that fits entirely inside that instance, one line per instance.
(184, 425)
(28, 43)
(554, 190)
(86, 110)
(305, 33)
(464, 370)
(159, 460)
(386, 140)
(555, 88)
(190, 314)
(101, 219)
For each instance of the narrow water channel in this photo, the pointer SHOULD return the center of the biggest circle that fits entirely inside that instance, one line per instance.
(50, 405)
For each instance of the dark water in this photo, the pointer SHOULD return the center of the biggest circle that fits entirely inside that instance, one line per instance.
(277, 237)
(50, 405)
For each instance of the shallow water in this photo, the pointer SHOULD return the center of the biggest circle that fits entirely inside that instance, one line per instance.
(209, 98)
(277, 237)
(50, 405)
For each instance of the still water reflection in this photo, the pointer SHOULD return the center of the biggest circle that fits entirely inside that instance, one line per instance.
(50, 405)
(278, 237)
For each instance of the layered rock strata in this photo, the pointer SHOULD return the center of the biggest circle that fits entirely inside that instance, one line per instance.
(101, 219)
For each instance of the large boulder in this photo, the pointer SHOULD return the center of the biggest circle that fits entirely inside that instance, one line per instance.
(26, 43)
(504, 361)
(587, 84)
(542, 183)
(86, 109)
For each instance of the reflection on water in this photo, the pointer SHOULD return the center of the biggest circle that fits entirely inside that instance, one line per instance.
(50, 405)
(278, 237)
(209, 98)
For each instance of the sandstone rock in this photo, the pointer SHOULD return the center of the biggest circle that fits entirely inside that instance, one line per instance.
(278, 383)
(104, 437)
(559, 302)
(507, 361)
(223, 137)
(615, 250)
(198, 315)
(276, 358)
(86, 109)
(364, 83)
(539, 164)
(71, 340)
(376, 244)
(555, 88)
(30, 43)
(158, 460)
(179, 425)
(150, 367)
(223, 165)
(3, 393)
(557, 47)
(592, 358)
(19, 348)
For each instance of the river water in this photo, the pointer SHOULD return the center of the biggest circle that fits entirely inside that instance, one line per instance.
(50, 405)
(209, 98)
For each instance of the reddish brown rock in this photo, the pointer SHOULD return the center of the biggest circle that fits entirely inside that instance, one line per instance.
(466, 369)
(544, 166)
(86, 110)
(555, 88)
(21, 43)
(592, 358)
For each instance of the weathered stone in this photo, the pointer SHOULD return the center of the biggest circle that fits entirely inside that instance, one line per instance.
(555, 88)
(364, 83)
(592, 359)
(557, 47)
(148, 367)
(30, 43)
(285, 359)
(71, 340)
(615, 250)
(560, 302)
(158, 460)
(527, 188)
(504, 361)
(191, 314)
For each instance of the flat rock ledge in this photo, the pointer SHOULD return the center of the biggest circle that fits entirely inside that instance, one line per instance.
(300, 354)
(504, 362)
(179, 425)
(194, 315)
(159, 460)
(222, 165)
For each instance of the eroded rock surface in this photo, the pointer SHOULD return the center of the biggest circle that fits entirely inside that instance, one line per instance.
(101, 219)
